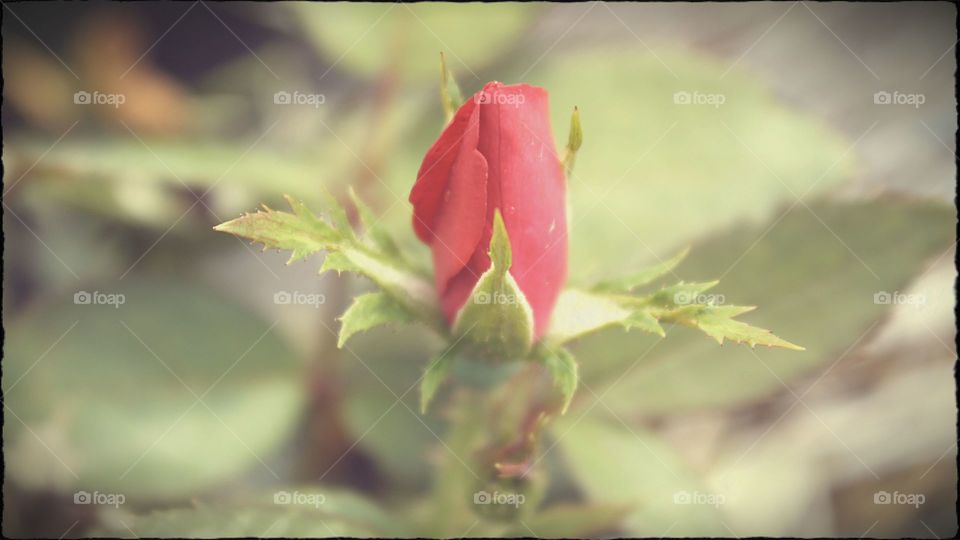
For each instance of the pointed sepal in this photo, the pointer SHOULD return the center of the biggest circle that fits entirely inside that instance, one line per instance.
(496, 323)
(450, 96)
(574, 140)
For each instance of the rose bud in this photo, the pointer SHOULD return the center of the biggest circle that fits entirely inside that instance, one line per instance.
(497, 154)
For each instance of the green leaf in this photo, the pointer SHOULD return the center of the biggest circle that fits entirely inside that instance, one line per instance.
(143, 182)
(404, 39)
(720, 326)
(563, 368)
(641, 196)
(312, 512)
(643, 277)
(680, 294)
(450, 96)
(497, 322)
(619, 465)
(810, 273)
(112, 406)
(643, 320)
(408, 288)
(339, 263)
(338, 215)
(302, 233)
(305, 234)
(436, 373)
(369, 310)
(579, 312)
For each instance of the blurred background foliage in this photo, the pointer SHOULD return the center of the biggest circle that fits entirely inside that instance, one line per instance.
(201, 397)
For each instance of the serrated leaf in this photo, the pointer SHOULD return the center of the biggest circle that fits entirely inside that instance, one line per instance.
(563, 368)
(643, 320)
(580, 312)
(370, 310)
(408, 288)
(338, 215)
(812, 289)
(302, 234)
(721, 327)
(436, 373)
(339, 263)
(497, 322)
(643, 277)
(681, 294)
(381, 238)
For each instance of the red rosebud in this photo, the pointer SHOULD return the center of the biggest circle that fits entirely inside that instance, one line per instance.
(496, 153)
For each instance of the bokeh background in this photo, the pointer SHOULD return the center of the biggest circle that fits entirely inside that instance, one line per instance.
(163, 379)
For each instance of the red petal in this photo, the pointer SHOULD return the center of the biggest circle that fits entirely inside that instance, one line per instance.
(527, 184)
(427, 194)
(459, 221)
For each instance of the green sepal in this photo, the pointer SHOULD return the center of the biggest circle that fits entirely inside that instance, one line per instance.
(450, 96)
(496, 323)
(574, 140)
